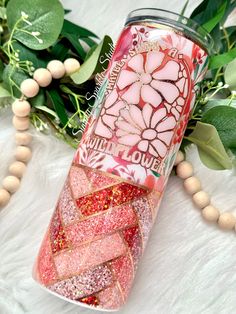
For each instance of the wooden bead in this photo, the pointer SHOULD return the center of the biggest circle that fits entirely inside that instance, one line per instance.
(226, 221)
(21, 124)
(17, 169)
(21, 108)
(56, 68)
(23, 138)
(192, 185)
(179, 158)
(23, 153)
(201, 199)
(4, 197)
(184, 170)
(210, 213)
(71, 65)
(43, 77)
(11, 184)
(29, 88)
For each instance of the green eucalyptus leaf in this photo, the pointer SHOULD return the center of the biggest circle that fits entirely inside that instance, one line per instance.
(12, 78)
(230, 75)
(92, 65)
(211, 150)
(71, 28)
(39, 99)
(209, 25)
(73, 39)
(42, 17)
(3, 15)
(223, 118)
(4, 92)
(58, 105)
(218, 102)
(221, 60)
(47, 110)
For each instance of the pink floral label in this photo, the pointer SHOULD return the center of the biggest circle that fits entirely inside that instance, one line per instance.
(144, 104)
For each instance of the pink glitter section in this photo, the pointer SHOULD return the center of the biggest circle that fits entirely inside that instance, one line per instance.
(122, 268)
(84, 284)
(144, 213)
(134, 241)
(44, 268)
(99, 179)
(110, 298)
(79, 182)
(110, 221)
(67, 207)
(70, 262)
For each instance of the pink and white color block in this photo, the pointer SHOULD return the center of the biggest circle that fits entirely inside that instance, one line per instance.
(109, 202)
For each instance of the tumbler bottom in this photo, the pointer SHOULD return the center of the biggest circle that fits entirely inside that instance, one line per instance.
(95, 239)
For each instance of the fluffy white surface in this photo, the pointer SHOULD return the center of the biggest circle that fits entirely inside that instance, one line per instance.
(188, 267)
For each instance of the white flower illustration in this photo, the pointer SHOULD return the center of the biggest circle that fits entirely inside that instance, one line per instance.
(150, 130)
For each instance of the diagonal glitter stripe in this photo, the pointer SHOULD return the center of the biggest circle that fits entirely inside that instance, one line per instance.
(133, 239)
(110, 298)
(113, 196)
(110, 221)
(79, 182)
(87, 256)
(85, 284)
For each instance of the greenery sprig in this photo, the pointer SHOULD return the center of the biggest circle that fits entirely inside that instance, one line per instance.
(33, 32)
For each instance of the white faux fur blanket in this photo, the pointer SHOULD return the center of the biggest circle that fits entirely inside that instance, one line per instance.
(189, 266)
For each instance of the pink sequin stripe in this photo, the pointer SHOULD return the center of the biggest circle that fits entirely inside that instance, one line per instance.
(79, 182)
(111, 298)
(107, 222)
(86, 256)
(85, 284)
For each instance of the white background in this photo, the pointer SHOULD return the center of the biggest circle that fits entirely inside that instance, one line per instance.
(189, 266)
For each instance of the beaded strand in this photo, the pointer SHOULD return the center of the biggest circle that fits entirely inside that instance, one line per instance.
(21, 121)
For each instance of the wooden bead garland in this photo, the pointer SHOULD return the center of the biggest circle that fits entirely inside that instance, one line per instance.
(21, 109)
(201, 199)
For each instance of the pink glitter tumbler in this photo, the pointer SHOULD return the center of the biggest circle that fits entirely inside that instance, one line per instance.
(105, 212)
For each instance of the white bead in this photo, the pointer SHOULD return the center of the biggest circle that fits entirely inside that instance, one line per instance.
(184, 170)
(21, 124)
(210, 213)
(201, 199)
(192, 185)
(43, 77)
(56, 68)
(23, 153)
(29, 88)
(11, 184)
(179, 158)
(227, 221)
(4, 197)
(17, 169)
(23, 138)
(21, 108)
(71, 65)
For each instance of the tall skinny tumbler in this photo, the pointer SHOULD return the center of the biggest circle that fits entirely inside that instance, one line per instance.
(107, 207)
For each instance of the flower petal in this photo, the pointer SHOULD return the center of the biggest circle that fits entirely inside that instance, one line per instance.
(143, 145)
(180, 84)
(166, 137)
(153, 61)
(150, 95)
(126, 78)
(157, 117)
(147, 112)
(111, 98)
(125, 114)
(156, 148)
(168, 72)
(115, 110)
(102, 130)
(132, 95)
(137, 117)
(127, 127)
(136, 63)
(109, 121)
(180, 101)
(169, 91)
(168, 124)
(129, 140)
(120, 133)
(175, 112)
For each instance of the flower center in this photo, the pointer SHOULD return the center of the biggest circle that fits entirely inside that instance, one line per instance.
(149, 134)
(145, 78)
